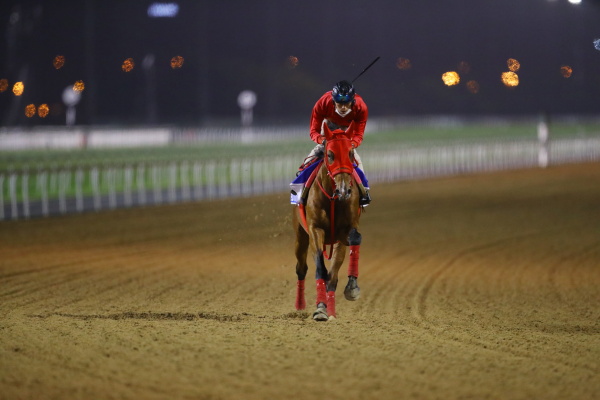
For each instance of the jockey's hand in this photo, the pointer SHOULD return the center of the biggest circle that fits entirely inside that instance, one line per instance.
(354, 144)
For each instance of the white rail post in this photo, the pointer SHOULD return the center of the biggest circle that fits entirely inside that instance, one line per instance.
(79, 189)
(141, 184)
(12, 189)
(25, 194)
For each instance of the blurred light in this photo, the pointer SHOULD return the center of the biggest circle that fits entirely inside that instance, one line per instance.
(177, 62)
(163, 10)
(575, 1)
(510, 79)
(566, 71)
(597, 44)
(59, 62)
(513, 64)
(450, 78)
(292, 62)
(30, 110)
(43, 110)
(128, 65)
(18, 88)
(464, 67)
(403, 64)
(3, 85)
(473, 87)
(78, 86)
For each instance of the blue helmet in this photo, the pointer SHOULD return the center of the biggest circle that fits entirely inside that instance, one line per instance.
(343, 92)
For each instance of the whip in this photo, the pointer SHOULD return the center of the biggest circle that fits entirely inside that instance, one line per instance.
(365, 70)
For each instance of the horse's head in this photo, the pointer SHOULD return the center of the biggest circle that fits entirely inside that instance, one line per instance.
(339, 159)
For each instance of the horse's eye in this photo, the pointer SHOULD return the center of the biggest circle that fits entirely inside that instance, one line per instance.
(330, 156)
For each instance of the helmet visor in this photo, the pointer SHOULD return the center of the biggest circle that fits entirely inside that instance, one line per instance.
(342, 98)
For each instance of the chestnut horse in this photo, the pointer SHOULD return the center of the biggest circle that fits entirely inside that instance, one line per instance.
(329, 218)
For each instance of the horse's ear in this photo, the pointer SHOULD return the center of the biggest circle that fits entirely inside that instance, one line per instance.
(326, 130)
(350, 130)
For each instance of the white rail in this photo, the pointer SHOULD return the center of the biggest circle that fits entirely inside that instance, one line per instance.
(44, 192)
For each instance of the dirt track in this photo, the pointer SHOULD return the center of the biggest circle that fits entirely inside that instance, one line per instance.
(472, 287)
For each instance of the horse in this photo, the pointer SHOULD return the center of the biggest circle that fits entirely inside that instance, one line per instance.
(330, 217)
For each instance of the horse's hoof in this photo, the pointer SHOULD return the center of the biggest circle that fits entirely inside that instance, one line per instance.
(331, 318)
(320, 315)
(352, 294)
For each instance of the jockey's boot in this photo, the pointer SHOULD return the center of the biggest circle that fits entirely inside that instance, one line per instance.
(365, 199)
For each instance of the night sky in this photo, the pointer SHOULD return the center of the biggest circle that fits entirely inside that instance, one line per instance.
(234, 45)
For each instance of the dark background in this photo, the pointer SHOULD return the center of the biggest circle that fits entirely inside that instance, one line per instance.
(234, 45)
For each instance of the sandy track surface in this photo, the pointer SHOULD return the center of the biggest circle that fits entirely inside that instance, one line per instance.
(479, 287)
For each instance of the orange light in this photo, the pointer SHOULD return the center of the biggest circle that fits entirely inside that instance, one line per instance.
(510, 79)
(43, 110)
(59, 62)
(78, 86)
(30, 110)
(566, 71)
(3, 85)
(513, 64)
(403, 64)
(450, 78)
(473, 87)
(128, 65)
(18, 88)
(292, 62)
(177, 62)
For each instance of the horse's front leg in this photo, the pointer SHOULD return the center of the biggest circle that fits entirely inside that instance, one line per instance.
(321, 275)
(339, 253)
(352, 291)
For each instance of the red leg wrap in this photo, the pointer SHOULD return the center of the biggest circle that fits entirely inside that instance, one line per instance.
(353, 264)
(300, 301)
(321, 291)
(331, 303)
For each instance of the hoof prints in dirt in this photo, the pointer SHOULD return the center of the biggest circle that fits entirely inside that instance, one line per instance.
(152, 316)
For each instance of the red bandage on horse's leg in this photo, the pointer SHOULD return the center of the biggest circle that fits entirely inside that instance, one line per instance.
(321, 291)
(353, 264)
(300, 301)
(331, 303)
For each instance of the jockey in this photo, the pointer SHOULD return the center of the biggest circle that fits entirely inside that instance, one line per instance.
(338, 108)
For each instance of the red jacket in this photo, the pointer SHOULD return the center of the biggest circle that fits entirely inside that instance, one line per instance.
(325, 109)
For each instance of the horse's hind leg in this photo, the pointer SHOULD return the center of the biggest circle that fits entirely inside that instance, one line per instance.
(352, 291)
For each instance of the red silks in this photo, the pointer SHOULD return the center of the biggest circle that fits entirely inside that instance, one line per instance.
(353, 264)
(300, 301)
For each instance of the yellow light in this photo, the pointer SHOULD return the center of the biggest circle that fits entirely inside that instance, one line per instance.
(292, 62)
(450, 78)
(30, 110)
(177, 62)
(566, 71)
(3, 85)
(43, 110)
(513, 64)
(473, 87)
(18, 88)
(59, 62)
(78, 86)
(510, 79)
(128, 65)
(403, 64)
